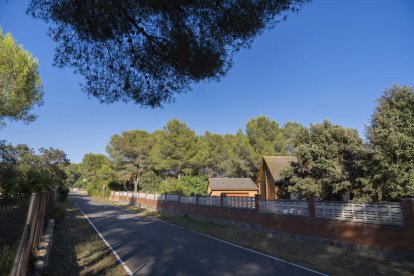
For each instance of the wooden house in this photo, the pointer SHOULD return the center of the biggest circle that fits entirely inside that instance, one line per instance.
(231, 187)
(269, 178)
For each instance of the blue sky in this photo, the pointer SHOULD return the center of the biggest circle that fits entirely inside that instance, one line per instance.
(330, 61)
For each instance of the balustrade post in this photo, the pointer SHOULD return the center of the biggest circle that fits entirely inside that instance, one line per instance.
(221, 200)
(407, 206)
(312, 207)
(197, 199)
(257, 202)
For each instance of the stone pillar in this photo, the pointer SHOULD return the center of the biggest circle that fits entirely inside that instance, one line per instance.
(407, 205)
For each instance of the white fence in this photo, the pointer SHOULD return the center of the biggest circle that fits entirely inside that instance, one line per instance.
(239, 202)
(209, 200)
(171, 197)
(285, 207)
(380, 213)
(188, 199)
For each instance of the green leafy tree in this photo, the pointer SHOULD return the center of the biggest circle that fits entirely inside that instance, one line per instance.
(391, 139)
(265, 136)
(150, 182)
(73, 174)
(90, 166)
(186, 185)
(329, 162)
(20, 85)
(23, 172)
(146, 51)
(8, 172)
(130, 154)
(244, 161)
(175, 146)
(213, 157)
(290, 131)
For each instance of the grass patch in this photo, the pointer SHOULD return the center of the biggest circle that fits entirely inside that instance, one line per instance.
(329, 259)
(77, 248)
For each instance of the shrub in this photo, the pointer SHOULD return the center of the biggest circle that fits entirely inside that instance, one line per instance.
(63, 192)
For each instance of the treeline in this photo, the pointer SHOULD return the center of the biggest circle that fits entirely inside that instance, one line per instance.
(332, 161)
(22, 171)
(175, 159)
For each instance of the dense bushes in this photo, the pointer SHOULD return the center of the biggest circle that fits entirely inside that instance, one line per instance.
(185, 185)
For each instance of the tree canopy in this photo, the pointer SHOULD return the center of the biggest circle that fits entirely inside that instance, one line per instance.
(20, 84)
(145, 160)
(391, 141)
(146, 51)
(327, 162)
(23, 172)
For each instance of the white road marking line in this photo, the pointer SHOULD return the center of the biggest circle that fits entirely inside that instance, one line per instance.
(226, 242)
(126, 268)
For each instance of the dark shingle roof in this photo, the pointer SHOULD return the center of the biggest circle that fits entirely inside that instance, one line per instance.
(277, 163)
(232, 184)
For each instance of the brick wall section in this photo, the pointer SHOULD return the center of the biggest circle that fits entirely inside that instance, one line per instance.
(388, 237)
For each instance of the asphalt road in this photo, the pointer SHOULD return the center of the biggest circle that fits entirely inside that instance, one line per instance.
(151, 247)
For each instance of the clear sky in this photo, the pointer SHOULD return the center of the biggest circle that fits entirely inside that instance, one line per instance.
(330, 61)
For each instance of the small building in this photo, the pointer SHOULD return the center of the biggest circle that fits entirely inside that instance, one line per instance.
(231, 187)
(269, 178)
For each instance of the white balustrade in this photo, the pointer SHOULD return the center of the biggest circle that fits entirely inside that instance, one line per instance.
(239, 202)
(379, 213)
(284, 207)
(188, 199)
(209, 200)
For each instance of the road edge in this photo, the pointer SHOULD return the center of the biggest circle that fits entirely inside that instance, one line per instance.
(118, 258)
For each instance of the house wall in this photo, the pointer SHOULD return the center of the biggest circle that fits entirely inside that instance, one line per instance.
(233, 193)
(270, 185)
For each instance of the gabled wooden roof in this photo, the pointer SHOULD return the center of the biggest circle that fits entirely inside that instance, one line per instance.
(232, 184)
(275, 164)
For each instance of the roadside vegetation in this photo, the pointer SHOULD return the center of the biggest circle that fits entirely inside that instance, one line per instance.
(327, 259)
(77, 248)
(333, 162)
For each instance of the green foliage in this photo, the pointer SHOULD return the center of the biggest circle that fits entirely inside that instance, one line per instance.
(244, 161)
(149, 182)
(23, 172)
(93, 165)
(213, 157)
(329, 162)
(186, 185)
(265, 136)
(73, 174)
(391, 138)
(144, 159)
(63, 193)
(96, 171)
(146, 51)
(130, 153)
(20, 85)
(174, 148)
(290, 131)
